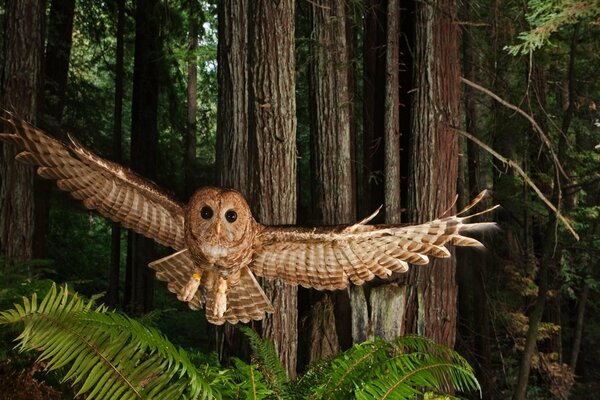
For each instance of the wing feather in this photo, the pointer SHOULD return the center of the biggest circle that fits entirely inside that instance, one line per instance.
(330, 258)
(115, 192)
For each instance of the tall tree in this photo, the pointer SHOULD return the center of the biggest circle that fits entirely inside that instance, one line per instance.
(56, 71)
(144, 141)
(21, 93)
(272, 144)
(112, 297)
(331, 98)
(192, 102)
(232, 120)
(432, 309)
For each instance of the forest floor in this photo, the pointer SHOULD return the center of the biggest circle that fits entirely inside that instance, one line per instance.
(23, 384)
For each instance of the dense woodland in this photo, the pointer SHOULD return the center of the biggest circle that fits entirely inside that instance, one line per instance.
(319, 112)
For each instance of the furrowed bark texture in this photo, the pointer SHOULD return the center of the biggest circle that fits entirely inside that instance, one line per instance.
(332, 151)
(232, 124)
(21, 88)
(232, 127)
(433, 175)
(272, 127)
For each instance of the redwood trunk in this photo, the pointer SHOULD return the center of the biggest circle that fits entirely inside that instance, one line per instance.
(432, 308)
(144, 142)
(272, 127)
(331, 103)
(232, 125)
(21, 89)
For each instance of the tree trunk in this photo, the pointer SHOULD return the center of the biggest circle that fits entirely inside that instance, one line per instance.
(192, 102)
(432, 297)
(21, 92)
(272, 128)
(373, 105)
(577, 335)
(144, 142)
(58, 51)
(112, 297)
(334, 194)
(232, 126)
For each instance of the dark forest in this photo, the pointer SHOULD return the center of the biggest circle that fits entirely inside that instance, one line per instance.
(318, 112)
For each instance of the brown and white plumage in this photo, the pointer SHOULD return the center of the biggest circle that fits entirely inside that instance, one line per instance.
(220, 247)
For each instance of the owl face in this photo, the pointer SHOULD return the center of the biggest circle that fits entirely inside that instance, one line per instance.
(219, 224)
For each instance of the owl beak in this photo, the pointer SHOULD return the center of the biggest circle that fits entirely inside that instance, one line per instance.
(217, 228)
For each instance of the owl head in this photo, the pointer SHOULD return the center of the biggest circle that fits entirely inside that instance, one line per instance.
(218, 224)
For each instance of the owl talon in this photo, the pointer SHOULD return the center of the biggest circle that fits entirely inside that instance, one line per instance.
(191, 287)
(220, 305)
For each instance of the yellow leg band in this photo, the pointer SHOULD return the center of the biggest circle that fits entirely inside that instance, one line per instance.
(197, 276)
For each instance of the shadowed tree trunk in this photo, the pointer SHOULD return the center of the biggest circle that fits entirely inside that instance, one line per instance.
(21, 93)
(192, 104)
(232, 127)
(331, 103)
(58, 52)
(272, 144)
(139, 284)
(112, 297)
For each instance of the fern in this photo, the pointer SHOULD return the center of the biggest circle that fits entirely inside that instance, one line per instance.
(268, 363)
(403, 369)
(110, 355)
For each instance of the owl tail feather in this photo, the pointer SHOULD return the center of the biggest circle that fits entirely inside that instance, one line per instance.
(245, 301)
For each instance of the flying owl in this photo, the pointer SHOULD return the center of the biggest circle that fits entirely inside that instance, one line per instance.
(220, 248)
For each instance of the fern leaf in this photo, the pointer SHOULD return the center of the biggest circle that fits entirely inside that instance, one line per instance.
(110, 355)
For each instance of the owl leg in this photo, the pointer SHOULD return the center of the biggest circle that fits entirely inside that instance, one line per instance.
(190, 288)
(220, 304)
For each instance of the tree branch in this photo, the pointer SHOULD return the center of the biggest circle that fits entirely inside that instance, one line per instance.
(525, 177)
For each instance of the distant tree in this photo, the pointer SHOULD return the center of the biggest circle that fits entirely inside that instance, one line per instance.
(139, 284)
(21, 93)
(192, 101)
(112, 296)
(272, 145)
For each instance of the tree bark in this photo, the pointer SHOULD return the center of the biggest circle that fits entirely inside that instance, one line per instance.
(56, 71)
(144, 142)
(373, 105)
(112, 297)
(334, 194)
(433, 175)
(272, 127)
(192, 103)
(21, 93)
(232, 126)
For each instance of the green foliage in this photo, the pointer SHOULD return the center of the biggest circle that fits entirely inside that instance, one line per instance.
(402, 369)
(109, 355)
(105, 354)
(547, 17)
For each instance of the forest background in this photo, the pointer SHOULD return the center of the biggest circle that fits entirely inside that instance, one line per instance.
(319, 112)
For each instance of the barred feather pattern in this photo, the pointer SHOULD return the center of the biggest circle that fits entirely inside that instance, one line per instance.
(330, 258)
(114, 191)
(246, 300)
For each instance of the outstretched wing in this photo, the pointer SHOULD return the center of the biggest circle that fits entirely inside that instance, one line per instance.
(328, 258)
(114, 191)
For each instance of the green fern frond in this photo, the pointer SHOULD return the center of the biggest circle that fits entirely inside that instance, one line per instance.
(263, 351)
(402, 369)
(110, 355)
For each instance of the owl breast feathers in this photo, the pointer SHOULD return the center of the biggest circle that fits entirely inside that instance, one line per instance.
(220, 247)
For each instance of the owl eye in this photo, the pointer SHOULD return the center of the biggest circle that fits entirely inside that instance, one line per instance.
(230, 216)
(206, 212)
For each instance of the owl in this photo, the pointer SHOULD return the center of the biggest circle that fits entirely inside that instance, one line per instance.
(220, 248)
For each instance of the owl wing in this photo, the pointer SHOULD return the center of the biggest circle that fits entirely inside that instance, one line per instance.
(114, 191)
(330, 258)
